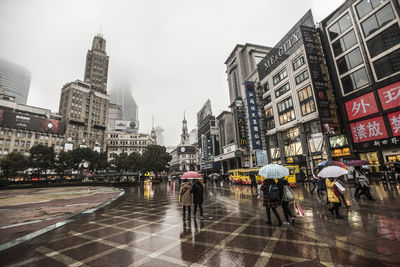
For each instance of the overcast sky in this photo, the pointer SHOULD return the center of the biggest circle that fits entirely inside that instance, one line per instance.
(171, 52)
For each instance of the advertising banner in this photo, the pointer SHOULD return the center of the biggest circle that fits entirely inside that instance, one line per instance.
(13, 119)
(204, 151)
(394, 119)
(368, 130)
(240, 116)
(261, 157)
(125, 125)
(254, 121)
(390, 96)
(361, 106)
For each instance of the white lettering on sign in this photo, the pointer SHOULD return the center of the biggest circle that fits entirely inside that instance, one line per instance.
(392, 94)
(357, 106)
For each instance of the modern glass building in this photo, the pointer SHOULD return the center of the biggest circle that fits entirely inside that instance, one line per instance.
(14, 80)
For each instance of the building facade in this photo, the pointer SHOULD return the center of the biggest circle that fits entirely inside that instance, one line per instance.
(14, 80)
(23, 126)
(299, 109)
(241, 66)
(85, 112)
(124, 142)
(114, 114)
(227, 145)
(122, 96)
(96, 69)
(362, 43)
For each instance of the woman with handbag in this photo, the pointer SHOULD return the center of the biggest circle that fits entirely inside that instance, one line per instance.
(186, 197)
(333, 199)
(286, 196)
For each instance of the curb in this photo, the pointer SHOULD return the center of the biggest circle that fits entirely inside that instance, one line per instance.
(73, 218)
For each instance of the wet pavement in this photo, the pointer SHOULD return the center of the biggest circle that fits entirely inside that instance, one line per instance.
(145, 228)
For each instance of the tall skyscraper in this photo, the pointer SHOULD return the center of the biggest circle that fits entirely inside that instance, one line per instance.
(121, 95)
(160, 135)
(14, 80)
(96, 69)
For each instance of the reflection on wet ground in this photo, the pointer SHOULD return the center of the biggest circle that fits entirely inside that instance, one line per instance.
(145, 228)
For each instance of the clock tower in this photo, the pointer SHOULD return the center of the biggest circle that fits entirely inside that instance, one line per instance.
(185, 133)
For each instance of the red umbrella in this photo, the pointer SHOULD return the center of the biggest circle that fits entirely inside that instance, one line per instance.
(191, 175)
(358, 163)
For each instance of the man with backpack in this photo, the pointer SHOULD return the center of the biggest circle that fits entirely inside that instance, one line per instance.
(271, 199)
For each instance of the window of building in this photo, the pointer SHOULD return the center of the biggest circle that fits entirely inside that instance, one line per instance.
(306, 99)
(266, 87)
(16, 143)
(355, 80)
(344, 43)
(349, 61)
(1, 141)
(377, 20)
(269, 119)
(267, 99)
(281, 90)
(387, 65)
(28, 143)
(7, 142)
(384, 41)
(280, 76)
(298, 62)
(301, 77)
(286, 111)
(340, 26)
(366, 6)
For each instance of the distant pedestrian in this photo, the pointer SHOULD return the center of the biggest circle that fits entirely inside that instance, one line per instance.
(362, 184)
(282, 183)
(271, 199)
(197, 191)
(186, 197)
(314, 180)
(253, 183)
(333, 199)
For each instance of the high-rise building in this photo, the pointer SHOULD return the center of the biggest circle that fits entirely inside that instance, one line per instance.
(122, 96)
(160, 135)
(96, 70)
(14, 80)
(114, 114)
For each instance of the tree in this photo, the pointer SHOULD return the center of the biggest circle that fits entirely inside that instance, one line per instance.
(99, 161)
(155, 158)
(13, 163)
(135, 161)
(63, 163)
(122, 162)
(41, 158)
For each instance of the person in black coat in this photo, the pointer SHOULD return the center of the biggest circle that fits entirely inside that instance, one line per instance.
(197, 191)
(285, 205)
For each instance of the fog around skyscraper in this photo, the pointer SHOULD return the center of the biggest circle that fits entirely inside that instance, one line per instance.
(14, 80)
(122, 95)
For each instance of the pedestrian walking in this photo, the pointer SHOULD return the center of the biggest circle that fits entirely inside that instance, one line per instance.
(271, 199)
(253, 183)
(197, 191)
(314, 180)
(186, 197)
(333, 199)
(362, 184)
(285, 200)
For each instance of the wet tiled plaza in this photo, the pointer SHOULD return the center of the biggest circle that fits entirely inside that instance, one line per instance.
(145, 228)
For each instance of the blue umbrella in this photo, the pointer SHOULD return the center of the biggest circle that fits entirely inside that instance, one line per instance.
(273, 171)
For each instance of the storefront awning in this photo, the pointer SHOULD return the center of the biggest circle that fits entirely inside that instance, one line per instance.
(225, 156)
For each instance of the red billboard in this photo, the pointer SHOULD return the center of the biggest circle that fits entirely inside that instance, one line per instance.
(390, 96)
(361, 106)
(368, 130)
(394, 119)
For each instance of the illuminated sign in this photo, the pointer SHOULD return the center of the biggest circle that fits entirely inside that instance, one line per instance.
(390, 96)
(368, 130)
(340, 152)
(361, 106)
(254, 121)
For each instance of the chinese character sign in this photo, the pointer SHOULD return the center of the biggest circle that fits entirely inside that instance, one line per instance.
(390, 96)
(361, 106)
(368, 130)
(394, 119)
(254, 121)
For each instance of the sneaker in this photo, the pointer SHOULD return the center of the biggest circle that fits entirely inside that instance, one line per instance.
(286, 223)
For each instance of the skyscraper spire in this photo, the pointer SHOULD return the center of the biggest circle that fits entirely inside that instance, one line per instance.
(153, 131)
(185, 134)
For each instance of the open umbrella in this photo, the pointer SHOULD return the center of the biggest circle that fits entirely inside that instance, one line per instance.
(332, 171)
(327, 163)
(273, 171)
(191, 176)
(358, 162)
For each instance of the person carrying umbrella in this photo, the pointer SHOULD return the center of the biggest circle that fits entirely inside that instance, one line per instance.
(333, 199)
(361, 184)
(186, 197)
(197, 191)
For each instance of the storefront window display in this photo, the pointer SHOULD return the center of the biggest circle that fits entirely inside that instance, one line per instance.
(372, 158)
(393, 158)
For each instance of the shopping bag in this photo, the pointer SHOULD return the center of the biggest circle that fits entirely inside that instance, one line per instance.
(340, 187)
(179, 199)
(300, 210)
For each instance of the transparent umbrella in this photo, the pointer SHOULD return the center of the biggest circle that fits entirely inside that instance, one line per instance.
(332, 171)
(273, 171)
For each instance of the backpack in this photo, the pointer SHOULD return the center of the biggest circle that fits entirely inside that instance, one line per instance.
(287, 194)
(273, 193)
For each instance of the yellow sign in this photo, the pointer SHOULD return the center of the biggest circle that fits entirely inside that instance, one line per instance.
(340, 152)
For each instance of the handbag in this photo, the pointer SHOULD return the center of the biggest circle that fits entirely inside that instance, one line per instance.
(340, 187)
(288, 195)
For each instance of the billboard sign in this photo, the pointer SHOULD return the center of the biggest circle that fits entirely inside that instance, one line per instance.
(390, 96)
(240, 117)
(261, 157)
(368, 130)
(125, 125)
(13, 119)
(361, 106)
(254, 120)
(394, 120)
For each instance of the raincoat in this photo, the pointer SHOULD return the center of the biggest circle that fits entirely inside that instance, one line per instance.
(331, 195)
(186, 196)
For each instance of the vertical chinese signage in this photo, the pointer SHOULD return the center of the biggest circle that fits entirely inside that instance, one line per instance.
(254, 121)
(312, 48)
(204, 150)
(240, 116)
